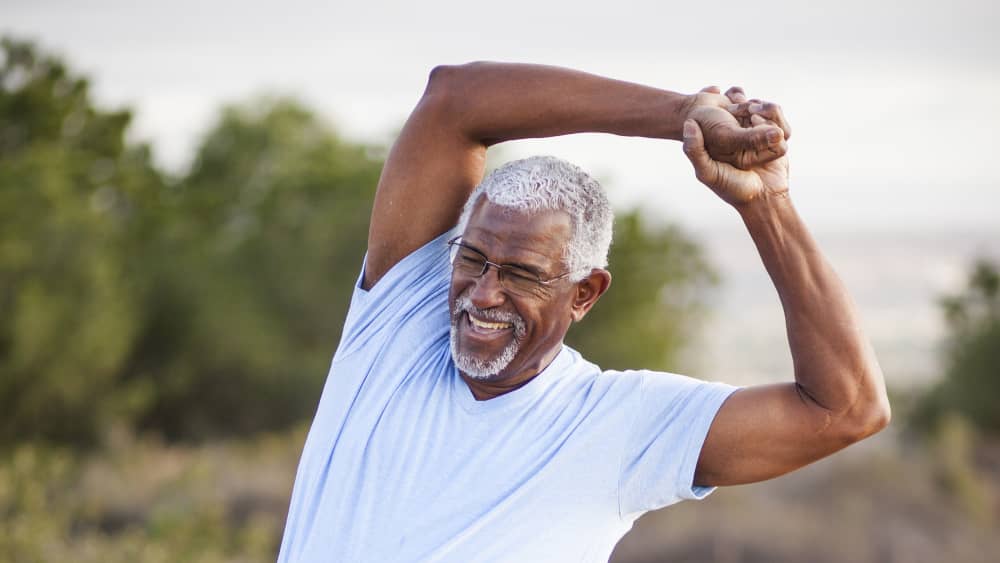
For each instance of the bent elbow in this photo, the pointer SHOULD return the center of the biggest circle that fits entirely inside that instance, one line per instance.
(449, 83)
(868, 419)
(877, 420)
(439, 89)
(439, 77)
(877, 413)
(453, 98)
(447, 93)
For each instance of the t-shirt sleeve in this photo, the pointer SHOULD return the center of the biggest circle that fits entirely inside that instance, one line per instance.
(672, 416)
(413, 288)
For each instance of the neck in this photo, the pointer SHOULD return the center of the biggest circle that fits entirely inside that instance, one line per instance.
(489, 388)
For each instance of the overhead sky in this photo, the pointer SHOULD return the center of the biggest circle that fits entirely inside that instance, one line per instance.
(891, 102)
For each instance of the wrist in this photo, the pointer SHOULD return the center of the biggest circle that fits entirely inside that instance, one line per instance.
(766, 207)
(684, 105)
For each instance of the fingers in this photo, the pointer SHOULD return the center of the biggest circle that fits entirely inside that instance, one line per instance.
(736, 95)
(705, 168)
(772, 151)
(760, 136)
(763, 142)
(711, 89)
(770, 111)
(740, 110)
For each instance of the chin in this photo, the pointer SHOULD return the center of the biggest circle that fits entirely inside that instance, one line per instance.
(481, 366)
(478, 367)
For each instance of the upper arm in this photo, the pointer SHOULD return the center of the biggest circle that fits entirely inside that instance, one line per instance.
(767, 430)
(432, 168)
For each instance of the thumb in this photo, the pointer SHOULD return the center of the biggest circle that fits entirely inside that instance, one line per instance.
(763, 142)
(694, 148)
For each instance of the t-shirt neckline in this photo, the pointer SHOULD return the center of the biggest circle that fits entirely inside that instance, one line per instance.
(528, 391)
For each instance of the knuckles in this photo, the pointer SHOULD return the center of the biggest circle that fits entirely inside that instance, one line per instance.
(735, 94)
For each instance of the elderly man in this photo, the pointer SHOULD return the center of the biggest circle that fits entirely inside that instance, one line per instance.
(456, 426)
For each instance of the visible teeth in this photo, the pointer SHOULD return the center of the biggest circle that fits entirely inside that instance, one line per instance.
(484, 324)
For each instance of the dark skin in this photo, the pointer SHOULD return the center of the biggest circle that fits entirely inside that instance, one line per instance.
(737, 148)
(440, 154)
(838, 396)
(535, 242)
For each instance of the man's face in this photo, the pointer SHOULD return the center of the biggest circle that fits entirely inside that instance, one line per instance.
(496, 335)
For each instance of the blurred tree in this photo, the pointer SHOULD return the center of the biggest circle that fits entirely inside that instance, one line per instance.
(651, 310)
(207, 307)
(265, 241)
(971, 381)
(72, 196)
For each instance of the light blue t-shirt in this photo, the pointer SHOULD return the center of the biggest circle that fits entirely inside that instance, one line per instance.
(403, 464)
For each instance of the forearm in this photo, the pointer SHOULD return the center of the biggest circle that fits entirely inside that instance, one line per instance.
(835, 366)
(495, 102)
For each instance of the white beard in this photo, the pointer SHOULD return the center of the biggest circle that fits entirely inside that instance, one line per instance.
(479, 368)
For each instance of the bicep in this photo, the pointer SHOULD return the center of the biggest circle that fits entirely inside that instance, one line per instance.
(765, 431)
(431, 170)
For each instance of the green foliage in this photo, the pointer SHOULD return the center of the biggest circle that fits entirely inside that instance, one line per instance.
(265, 240)
(207, 307)
(971, 381)
(652, 307)
(72, 198)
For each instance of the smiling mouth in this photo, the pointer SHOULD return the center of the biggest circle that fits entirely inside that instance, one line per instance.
(484, 326)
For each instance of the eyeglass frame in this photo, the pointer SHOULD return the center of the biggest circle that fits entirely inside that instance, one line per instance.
(456, 243)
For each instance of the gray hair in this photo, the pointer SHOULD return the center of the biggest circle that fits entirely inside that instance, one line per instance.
(542, 183)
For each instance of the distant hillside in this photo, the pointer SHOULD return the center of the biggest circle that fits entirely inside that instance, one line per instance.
(896, 279)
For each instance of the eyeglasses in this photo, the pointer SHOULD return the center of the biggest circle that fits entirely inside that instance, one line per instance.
(519, 281)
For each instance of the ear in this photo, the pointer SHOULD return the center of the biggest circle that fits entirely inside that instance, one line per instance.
(588, 291)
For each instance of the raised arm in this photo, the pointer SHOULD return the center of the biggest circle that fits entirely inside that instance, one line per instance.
(440, 154)
(838, 396)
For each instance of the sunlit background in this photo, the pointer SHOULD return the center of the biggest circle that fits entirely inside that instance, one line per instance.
(893, 165)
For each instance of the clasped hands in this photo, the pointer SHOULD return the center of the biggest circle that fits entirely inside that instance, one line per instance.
(737, 146)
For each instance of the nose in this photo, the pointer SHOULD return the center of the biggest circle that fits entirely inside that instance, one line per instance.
(486, 291)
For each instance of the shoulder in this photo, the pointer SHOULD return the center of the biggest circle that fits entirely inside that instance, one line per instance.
(413, 293)
(656, 394)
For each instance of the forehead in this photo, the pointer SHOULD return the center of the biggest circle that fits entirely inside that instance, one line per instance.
(506, 234)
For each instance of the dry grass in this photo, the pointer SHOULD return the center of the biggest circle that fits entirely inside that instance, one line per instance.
(140, 500)
(880, 502)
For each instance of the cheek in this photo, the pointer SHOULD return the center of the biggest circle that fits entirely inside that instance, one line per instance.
(546, 323)
(556, 318)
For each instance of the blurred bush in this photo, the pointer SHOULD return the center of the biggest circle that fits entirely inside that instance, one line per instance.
(204, 306)
(971, 382)
(253, 273)
(75, 203)
(143, 501)
(656, 300)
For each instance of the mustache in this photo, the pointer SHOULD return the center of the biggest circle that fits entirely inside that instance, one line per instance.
(464, 305)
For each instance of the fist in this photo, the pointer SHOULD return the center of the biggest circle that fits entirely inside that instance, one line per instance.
(730, 134)
(734, 185)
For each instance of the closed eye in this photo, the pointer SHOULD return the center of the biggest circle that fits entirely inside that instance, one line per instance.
(521, 274)
(471, 259)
